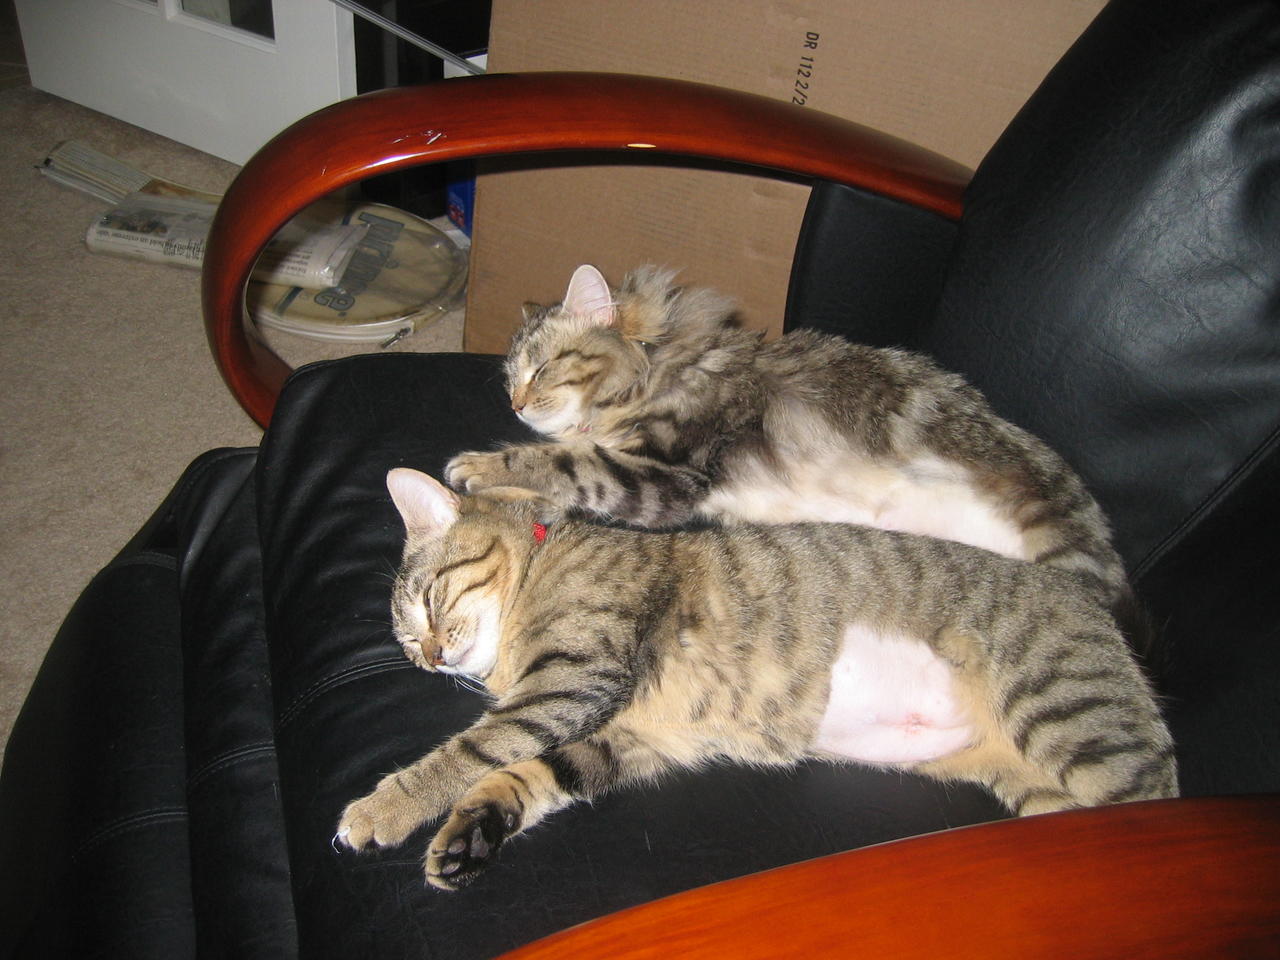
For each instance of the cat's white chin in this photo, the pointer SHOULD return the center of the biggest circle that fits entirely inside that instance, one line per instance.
(455, 662)
(472, 662)
(560, 425)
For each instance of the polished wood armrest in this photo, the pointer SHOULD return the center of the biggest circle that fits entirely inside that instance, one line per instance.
(1158, 879)
(518, 114)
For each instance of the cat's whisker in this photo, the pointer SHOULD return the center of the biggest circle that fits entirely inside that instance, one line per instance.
(469, 683)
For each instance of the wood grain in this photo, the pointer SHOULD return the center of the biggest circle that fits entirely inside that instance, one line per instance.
(519, 114)
(1158, 879)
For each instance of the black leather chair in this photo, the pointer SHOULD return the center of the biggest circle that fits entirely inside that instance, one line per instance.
(229, 682)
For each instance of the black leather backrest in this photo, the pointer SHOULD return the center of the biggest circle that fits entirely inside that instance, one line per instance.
(1116, 283)
(866, 267)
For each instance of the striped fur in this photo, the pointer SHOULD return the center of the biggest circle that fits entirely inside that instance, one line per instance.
(660, 410)
(615, 655)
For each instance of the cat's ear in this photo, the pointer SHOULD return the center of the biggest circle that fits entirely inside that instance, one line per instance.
(427, 507)
(534, 313)
(589, 296)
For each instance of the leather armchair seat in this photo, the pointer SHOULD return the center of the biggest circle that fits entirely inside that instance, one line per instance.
(226, 685)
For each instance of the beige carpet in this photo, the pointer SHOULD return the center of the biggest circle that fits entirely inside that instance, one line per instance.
(107, 388)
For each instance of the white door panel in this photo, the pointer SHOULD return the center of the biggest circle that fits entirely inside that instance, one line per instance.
(185, 75)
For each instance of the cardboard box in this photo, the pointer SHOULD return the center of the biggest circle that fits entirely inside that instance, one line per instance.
(946, 74)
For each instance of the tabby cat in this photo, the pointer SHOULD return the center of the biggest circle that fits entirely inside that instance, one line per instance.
(662, 410)
(615, 655)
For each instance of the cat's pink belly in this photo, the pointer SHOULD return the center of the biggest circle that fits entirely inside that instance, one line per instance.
(926, 496)
(892, 702)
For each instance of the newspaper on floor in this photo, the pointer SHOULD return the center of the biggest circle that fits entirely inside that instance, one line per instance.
(79, 166)
(402, 271)
(174, 230)
(165, 222)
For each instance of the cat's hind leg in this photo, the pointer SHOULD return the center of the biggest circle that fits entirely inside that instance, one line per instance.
(1022, 787)
(1053, 763)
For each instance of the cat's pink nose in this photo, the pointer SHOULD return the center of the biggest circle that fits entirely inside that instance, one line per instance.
(517, 405)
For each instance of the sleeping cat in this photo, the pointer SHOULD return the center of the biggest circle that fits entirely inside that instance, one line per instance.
(615, 655)
(661, 410)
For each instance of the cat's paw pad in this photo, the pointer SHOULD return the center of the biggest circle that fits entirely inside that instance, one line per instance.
(385, 818)
(466, 844)
(473, 471)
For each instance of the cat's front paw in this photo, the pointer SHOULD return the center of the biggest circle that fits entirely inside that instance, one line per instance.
(469, 472)
(466, 844)
(384, 817)
(413, 653)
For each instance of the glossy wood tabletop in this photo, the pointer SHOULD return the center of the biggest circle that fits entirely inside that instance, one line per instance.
(1160, 879)
(521, 114)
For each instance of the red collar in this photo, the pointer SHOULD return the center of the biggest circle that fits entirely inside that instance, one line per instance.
(539, 533)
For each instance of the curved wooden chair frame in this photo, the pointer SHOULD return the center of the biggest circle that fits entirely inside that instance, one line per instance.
(1159, 879)
(522, 114)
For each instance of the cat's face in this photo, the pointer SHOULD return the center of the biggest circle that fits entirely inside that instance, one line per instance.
(447, 602)
(566, 359)
(558, 374)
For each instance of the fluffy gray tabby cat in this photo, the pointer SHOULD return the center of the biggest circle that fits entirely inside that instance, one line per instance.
(615, 655)
(661, 410)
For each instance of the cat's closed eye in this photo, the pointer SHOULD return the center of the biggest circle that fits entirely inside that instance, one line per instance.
(521, 379)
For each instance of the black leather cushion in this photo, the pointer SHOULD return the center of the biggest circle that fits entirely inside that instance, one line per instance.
(350, 708)
(93, 797)
(1219, 671)
(119, 845)
(142, 823)
(240, 878)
